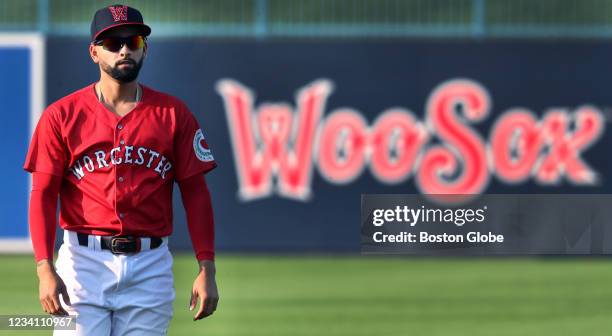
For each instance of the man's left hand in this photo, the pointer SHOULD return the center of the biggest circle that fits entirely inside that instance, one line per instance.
(204, 288)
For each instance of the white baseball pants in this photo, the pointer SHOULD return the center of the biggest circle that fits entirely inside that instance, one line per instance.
(130, 294)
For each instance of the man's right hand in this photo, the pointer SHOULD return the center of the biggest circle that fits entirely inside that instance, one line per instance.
(50, 287)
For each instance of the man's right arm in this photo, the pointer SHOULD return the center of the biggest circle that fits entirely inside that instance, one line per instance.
(43, 214)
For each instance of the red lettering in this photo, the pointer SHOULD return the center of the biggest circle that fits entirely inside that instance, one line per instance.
(565, 147)
(396, 140)
(257, 160)
(342, 146)
(515, 144)
(440, 163)
(274, 146)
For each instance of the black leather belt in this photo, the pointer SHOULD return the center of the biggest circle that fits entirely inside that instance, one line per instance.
(119, 244)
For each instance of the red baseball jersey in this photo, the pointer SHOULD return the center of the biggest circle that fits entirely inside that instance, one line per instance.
(118, 172)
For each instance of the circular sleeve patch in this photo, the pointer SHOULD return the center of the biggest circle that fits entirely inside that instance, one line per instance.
(200, 147)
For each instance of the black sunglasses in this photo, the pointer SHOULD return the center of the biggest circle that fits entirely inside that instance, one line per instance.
(114, 44)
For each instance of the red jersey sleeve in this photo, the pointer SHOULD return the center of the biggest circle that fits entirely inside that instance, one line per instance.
(192, 153)
(200, 219)
(47, 152)
(43, 213)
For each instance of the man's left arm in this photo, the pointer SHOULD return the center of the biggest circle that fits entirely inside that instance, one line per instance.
(200, 222)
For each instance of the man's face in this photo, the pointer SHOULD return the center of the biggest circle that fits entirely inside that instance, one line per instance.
(124, 64)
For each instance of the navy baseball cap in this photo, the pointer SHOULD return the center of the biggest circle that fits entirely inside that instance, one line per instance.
(116, 16)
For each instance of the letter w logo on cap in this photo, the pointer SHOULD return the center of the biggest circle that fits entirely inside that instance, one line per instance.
(119, 12)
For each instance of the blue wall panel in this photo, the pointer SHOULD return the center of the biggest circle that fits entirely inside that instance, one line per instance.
(15, 94)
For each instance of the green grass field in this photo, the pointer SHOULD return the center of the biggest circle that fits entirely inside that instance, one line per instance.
(307, 295)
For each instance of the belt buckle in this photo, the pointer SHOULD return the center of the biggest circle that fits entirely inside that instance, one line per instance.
(118, 242)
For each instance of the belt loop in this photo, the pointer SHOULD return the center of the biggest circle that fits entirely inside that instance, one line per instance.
(94, 242)
(98, 240)
(70, 238)
(145, 244)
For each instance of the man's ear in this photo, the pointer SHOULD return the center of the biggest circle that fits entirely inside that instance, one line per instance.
(93, 53)
(145, 48)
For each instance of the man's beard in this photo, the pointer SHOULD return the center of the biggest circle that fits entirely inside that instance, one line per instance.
(125, 75)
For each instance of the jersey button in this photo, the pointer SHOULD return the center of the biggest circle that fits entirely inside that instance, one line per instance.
(122, 142)
(120, 126)
(120, 178)
(121, 215)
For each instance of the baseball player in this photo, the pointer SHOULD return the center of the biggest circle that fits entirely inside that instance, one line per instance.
(112, 151)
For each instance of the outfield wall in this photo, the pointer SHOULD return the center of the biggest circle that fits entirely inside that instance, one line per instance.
(22, 94)
(308, 199)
